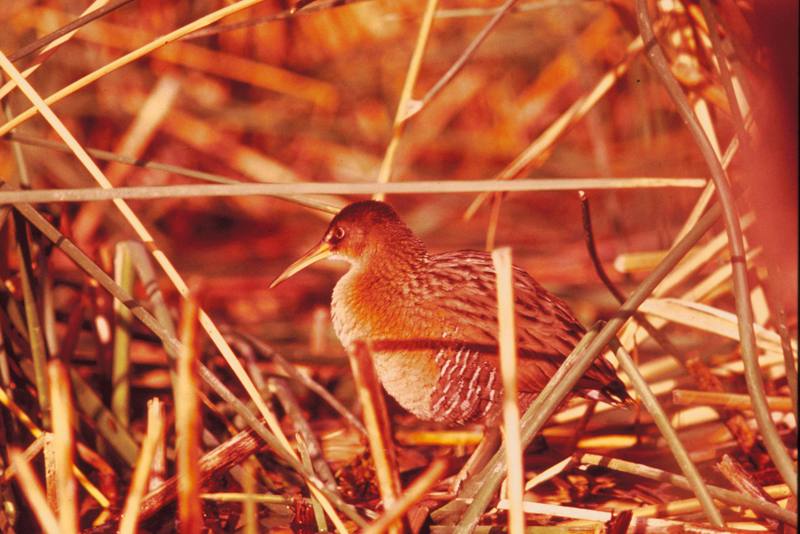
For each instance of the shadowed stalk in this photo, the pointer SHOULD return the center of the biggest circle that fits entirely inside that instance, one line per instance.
(120, 363)
(64, 30)
(289, 368)
(280, 388)
(48, 306)
(36, 338)
(35, 334)
(643, 321)
(744, 311)
(501, 259)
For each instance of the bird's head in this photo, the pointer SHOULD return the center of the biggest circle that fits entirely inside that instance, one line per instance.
(361, 232)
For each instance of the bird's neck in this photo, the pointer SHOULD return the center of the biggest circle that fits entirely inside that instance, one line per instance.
(395, 264)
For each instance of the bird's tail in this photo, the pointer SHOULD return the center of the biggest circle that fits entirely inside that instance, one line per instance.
(614, 392)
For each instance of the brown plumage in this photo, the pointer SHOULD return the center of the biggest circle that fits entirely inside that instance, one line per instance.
(431, 320)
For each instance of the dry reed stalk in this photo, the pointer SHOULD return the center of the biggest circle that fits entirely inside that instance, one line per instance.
(501, 259)
(30, 452)
(32, 490)
(63, 417)
(376, 421)
(711, 320)
(744, 312)
(733, 401)
(404, 105)
(188, 422)
(50, 481)
(313, 188)
(249, 508)
(557, 510)
(633, 335)
(319, 514)
(141, 473)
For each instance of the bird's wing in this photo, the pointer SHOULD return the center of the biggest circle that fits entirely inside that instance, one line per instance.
(547, 331)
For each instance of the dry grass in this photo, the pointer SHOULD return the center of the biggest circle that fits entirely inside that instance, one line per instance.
(255, 421)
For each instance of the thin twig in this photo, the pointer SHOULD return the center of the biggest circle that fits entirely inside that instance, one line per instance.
(459, 63)
(74, 25)
(404, 104)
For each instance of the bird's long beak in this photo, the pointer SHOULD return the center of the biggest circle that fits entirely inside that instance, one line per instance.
(319, 252)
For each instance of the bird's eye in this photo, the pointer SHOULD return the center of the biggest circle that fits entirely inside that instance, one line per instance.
(337, 234)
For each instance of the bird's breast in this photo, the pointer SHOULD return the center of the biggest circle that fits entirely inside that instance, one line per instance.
(384, 317)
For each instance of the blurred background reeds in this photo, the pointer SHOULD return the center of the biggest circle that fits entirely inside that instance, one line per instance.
(149, 379)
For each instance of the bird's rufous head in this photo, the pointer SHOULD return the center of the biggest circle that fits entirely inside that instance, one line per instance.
(359, 232)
